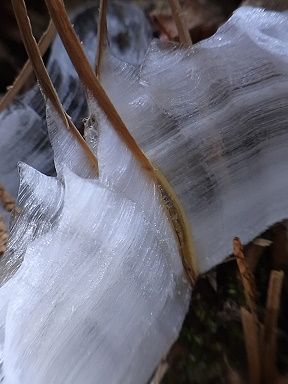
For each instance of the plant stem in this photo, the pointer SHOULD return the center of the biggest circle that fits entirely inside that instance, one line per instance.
(246, 276)
(87, 76)
(27, 69)
(252, 345)
(270, 326)
(43, 76)
(183, 31)
(101, 36)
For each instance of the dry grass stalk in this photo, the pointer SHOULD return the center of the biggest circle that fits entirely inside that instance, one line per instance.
(101, 35)
(86, 74)
(233, 376)
(6, 199)
(43, 76)
(27, 69)
(246, 275)
(270, 326)
(255, 251)
(183, 31)
(88, 78)
(160, 373)
(8, 204)
(252, 345)
(279, 247)
(3, 236)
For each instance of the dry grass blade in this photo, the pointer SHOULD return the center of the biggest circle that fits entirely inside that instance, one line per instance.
(246, 275)
(6, 199)
(252, 345)
(254, 252)
(8, 204)
(160, 373)
(43, 76)
(88, 78)
(101, 35)
(27, 69)
(3, 236)
(183, 31)
(270, 326)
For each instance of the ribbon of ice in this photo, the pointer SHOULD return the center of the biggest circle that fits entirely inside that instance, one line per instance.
(101, 292)
(214, 118)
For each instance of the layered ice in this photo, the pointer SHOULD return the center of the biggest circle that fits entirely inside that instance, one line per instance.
(93, 287)
(213, 118)
(98, 292)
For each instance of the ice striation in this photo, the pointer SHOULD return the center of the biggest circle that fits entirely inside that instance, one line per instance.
(98, 292)
(93, 289)
(213, 119)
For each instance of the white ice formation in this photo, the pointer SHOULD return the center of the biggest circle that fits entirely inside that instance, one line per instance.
(93, 286)
(213, 118)
(101, 292)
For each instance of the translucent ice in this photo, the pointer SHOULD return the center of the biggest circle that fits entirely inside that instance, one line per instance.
(101, 293)
(213, 119)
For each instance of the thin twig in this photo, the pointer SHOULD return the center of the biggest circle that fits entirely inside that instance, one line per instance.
(252, 345)
(8, 204)
(246, 275)
(6, 199)
(27, 69)
(43, 76)
(3, 236)
(160, 373)
(88, 78)
(101, 36)
(270, 326)
(254, 252)
(183, 31)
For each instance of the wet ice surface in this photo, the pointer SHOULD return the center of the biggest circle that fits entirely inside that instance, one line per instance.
(98, 292)
(214, 119)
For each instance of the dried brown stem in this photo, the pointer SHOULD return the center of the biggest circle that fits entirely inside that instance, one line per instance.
(101, 36)
(254, 252)
(43, 76)
(6, 199)
(270, 326)
(3, 236)
(160, 373)
(252, 345)
(8, 204)
(183, 31)
(27, 69)
(88, 78)
(246, 275)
